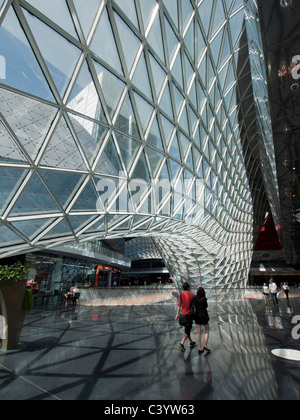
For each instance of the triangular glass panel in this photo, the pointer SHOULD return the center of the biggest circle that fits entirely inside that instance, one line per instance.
(61, 229)
(212, 94)
(184, 122)
(178, 209)
(141, 77)
(35, 199)
(177, 70)
(140, 197)
(141, 170)
(203, 71)
(165, 103)
(205, 12)
(178, 99)
(164, 174)
(124, 227)
(230, 80)
(128, 148)
(196, 138)
(34, 228)
(79, 222)
(29, 119)
(172, 40)
(155, 160)
(174, 151)
(189, 71)
(155, 38)
(11, 238)
(62, 151)
(84, 98)
(179, 186)
(189, 160)
(147, 8)
(168, 129)
(175, 170)
(128, 7)
(145, 111)
(236, 23)
(194, 119)
(9, 151)
(90, 134)
(112, 87)
(207, 170)
(172, 8)
(193, 95)
(211, 74)
(104, 44)
(154, 136)
(190, 40)
(63, 185)
(200, 172)
(185, 144)
(59, 54)
(58, 12)
(97, 227)
(222, 74)
(87, 15)
(206, 149)
(159, 75)
(141, 223)
(201, 44)
(22, 69)
(187, 10)
(88, 199)
(109, 163)
(126, 121)
(11, 179)
(215, 46)
(130, 43)
(219, 18)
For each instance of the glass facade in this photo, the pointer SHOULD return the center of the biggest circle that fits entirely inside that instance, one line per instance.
(137, 118)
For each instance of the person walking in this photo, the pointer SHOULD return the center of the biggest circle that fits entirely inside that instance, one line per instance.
(186, 317)
(273, 290)
(201, 318)
(286, 291)
(266, 292)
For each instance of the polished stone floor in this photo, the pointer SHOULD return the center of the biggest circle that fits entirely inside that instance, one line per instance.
(132, 353)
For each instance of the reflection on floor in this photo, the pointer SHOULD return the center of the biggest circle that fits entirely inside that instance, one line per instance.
(118, 353)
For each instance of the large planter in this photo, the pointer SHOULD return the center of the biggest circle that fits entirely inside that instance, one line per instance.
(11, 304)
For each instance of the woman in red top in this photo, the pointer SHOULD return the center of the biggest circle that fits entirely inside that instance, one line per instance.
(186, 318)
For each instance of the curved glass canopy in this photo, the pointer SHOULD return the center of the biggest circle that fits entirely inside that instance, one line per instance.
(125, 118)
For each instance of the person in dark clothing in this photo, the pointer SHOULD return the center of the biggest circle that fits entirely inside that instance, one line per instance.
(201, 318)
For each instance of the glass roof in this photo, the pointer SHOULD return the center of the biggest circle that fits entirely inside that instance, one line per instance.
(122, 119)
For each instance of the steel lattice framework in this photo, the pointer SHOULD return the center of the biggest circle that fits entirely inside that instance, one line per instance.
(125, 118)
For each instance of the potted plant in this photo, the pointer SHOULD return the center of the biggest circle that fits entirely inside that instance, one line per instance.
(12, 291)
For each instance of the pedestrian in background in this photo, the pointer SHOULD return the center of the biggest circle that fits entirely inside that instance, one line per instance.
(201, 318)
(266, 293)
(273, 290)
(185, 317)
(286, 291)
